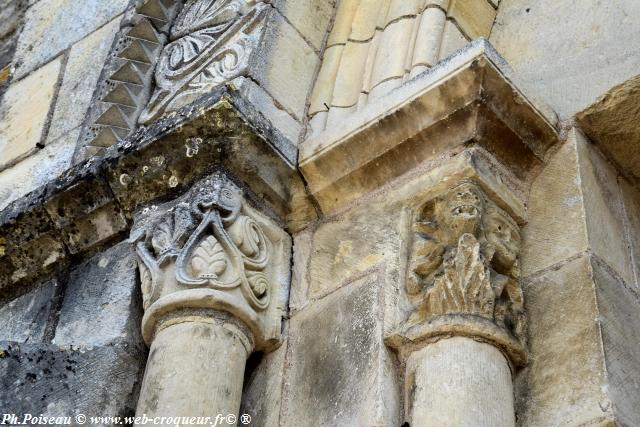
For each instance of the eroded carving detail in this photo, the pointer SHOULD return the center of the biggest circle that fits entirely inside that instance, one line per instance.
(207, 243)
(465, 261)
(212, 42)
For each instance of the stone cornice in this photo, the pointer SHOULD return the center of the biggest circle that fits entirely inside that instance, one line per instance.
(94, 201)
(467, 99)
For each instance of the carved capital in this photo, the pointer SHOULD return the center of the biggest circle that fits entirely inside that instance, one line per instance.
(212, 43)
(463, 276)
(210, 251)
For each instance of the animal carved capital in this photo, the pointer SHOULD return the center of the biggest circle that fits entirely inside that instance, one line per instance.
(205, 253)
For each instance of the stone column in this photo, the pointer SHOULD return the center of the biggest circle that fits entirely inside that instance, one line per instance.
(464, 338)
(209, 280)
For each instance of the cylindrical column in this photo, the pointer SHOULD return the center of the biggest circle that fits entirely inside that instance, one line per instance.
(460, 382)
(195, 369)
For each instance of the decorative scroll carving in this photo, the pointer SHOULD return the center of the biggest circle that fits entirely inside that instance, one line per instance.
(124, 88)
(213, 40)
(465, 261)
(208, 243)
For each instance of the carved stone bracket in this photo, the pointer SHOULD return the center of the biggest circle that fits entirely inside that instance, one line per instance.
(212, 41)
(463, 276)
(211, 251)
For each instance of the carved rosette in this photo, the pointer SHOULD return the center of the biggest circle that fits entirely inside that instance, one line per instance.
(207, 253)
(212, 43)
(463, 276)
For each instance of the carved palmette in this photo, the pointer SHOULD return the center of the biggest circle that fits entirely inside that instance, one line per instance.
(209, 243)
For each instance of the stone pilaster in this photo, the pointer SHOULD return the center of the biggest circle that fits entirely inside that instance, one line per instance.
(211, 270)
(466, 333)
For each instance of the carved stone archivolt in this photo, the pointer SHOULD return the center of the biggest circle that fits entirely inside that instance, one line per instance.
(207, 253)
(463, 276)
(212, 41)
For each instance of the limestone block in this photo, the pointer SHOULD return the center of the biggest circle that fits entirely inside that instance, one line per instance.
(342, 25)
(557, 228)
(102, 305)
(37, 169)
(80, 77)
(262, 393)
(348, 247)
(569, 66)
(603, 207)
(340, 372)
(475, 17)
(285, 65)
(310, 18)
(24, 111)
(612, 123)
(24, 319)
(565, 376)
(52, 26)
(631, 201)
(620, 327)
(280, 119)
(45, 379)
(452, 40)
(84, 225)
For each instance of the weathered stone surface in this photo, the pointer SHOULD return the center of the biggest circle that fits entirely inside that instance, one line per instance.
(612, 123)
(10, 15)
(24, 318)
(38, 169)
(603, 207)
(618, 309)
(459, 382)
(557, 227)
(24, 112)
(86, 214)
(569, 66)
(80, 78)
(48, 380)
(220, 131)
(631, 201)
(54, 25)
(565, 377)
(102, 303)
(284, 65)
(262, 390)
(340, 252)
(423, 119)
(341, 335)
(299, 295)
(475, 17)
(310, 18)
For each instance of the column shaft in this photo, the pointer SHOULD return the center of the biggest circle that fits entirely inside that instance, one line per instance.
(460, 382)
(195, 369)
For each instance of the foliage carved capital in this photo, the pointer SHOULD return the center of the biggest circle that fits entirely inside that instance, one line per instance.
(463, 274)
(209, 251)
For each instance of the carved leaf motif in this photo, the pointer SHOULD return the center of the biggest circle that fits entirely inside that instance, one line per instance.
(464, 286)
(209, 259)
(218, 14)
(146, 284)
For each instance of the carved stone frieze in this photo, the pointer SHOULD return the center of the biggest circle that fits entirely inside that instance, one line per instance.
(463, 273)
(208, 252)
(125, 84)
(212, 43)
